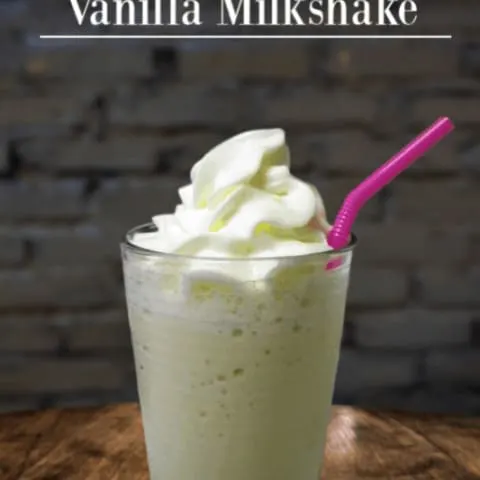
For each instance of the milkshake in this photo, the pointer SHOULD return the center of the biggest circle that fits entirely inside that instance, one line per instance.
(236, 308)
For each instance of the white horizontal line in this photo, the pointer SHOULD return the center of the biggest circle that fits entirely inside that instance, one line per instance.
(246, 37)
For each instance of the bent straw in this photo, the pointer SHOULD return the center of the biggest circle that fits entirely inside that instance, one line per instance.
(339, 235)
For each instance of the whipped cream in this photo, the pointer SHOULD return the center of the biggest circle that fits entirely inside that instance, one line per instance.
(243, 202)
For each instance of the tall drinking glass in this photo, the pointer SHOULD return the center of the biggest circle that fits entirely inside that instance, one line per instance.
(235, 360)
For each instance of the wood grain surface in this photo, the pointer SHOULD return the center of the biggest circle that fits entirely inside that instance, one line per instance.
(107, 444)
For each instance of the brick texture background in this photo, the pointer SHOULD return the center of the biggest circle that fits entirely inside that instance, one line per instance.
(97, 137)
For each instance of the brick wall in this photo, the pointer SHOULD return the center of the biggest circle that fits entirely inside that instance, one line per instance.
(95, 138)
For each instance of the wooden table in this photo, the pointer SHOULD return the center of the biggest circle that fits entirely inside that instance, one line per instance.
(107, 444)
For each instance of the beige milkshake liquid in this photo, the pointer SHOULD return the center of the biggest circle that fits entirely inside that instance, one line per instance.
(236, 357)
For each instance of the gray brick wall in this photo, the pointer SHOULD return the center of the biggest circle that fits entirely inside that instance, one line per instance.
(95, 138)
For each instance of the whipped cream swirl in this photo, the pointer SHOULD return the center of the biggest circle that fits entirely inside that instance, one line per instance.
(243, 202)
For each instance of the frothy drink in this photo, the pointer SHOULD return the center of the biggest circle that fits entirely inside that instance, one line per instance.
(236, 309)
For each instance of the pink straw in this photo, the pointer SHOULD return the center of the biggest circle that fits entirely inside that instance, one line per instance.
(339, 235)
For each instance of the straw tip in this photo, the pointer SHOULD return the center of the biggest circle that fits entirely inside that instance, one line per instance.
(446, 122)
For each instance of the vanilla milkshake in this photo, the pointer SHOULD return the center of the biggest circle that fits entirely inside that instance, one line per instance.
(236, 310)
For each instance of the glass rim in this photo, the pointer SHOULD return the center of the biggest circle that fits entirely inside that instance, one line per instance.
(127, 241)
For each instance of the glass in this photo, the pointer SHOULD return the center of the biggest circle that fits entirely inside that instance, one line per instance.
(235, 360)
